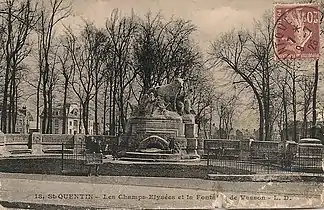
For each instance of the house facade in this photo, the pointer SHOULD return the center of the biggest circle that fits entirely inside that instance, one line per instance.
(74, 122)
(23, 119)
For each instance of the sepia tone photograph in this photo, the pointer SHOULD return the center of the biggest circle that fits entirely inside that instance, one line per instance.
(161, 104)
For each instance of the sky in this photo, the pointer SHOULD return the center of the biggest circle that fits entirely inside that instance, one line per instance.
(211, 17)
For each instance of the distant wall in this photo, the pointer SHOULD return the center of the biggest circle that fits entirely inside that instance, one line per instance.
(37, 143)
(17, 142)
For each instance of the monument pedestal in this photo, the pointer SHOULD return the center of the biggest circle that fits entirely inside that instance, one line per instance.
(154, 132)
(191, 135)
(157, 126)
(167, 135)
(37, 147)
(2, 144)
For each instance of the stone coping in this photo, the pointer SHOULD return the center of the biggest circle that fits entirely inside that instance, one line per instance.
(274, 177)
(285, 177)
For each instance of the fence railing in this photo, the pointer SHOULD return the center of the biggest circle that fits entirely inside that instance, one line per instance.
(78, 157)
(263, 158)
(72, 157)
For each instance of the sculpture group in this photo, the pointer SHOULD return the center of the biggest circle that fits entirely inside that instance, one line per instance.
(162, 99)
(163, 125)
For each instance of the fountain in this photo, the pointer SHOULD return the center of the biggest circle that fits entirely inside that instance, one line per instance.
(162, 127)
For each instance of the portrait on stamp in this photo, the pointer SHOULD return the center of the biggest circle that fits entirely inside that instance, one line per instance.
(297, 31)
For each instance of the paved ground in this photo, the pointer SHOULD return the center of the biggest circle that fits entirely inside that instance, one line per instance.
(154, 192)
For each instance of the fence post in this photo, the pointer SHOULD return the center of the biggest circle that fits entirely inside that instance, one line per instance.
(207, 154)
(298, 157)
(268, 160)
(251, 159)
(62, 168)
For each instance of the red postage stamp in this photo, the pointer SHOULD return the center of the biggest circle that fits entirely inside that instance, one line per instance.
(296, 31)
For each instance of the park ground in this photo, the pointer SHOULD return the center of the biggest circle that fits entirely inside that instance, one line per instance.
(40, 191)
(37, 183)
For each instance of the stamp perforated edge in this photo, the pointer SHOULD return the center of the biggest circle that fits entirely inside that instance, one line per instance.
(274, 5)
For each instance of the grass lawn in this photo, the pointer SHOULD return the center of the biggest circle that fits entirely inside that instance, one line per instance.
(54, 166)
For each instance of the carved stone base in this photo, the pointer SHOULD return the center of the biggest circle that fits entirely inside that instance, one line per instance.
(144, 132)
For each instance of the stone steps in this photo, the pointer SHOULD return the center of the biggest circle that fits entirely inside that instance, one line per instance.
(20, 151)
(157, 160)
(58, 151)
(161, 156)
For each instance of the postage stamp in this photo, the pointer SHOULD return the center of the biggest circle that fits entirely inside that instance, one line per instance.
(297, 31)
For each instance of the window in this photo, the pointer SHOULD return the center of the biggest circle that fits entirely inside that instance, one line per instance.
(70, 131)
(56, 131)
(70, 123)
(56, 122)
(75, 123)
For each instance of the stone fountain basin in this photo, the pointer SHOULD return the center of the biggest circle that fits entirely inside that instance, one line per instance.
(152, 155)
(155, 150)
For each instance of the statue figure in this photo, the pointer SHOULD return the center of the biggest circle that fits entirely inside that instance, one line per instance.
(187, 102)
(170, 97)
(160, 105)
(151, 104)
(142, 105)
(187, 106)
(169, 93)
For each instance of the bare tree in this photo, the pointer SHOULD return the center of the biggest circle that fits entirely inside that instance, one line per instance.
(163, 50)
(66, 66)
(204, 98)
(18, 21)
(306, 87)
(226, 107)
(49, 18)
(249, 56)
(232, 50)
(86, 51)
(120, 66)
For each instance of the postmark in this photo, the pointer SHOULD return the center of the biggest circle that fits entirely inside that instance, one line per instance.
(296, 31)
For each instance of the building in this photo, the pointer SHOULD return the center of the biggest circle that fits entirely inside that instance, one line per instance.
(23, 119)
(74, 123)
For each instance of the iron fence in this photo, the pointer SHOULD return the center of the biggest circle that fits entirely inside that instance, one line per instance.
(73, 158)
(77, 158)
(235, 157)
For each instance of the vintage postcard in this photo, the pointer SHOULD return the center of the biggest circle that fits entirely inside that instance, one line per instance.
(161, 104)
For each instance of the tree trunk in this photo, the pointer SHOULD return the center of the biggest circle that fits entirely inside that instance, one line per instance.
(220, 122)
(86, 116)
(113, 117)
(50, 110)
(315, 98)
(305, 109)
(265, 98)
(10, 109)
(13, 103)
(80, 116)
(294, 103)
(105, 108)
(285, 113)
(96, 130)
(45, 111)
(66, 83)
(121, 102)
(110, 103)
(16, 111)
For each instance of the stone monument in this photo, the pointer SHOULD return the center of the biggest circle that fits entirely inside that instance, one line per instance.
(163, 125)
